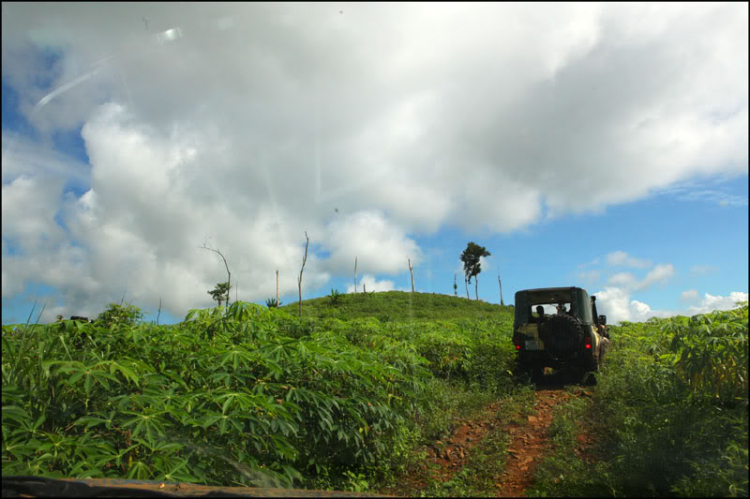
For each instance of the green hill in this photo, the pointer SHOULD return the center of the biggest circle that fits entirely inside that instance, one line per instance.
(398, 306)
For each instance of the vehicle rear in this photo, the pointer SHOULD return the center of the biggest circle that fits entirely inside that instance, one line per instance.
(556, 328)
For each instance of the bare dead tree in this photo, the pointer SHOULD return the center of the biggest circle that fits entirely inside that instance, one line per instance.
(411, 271)
(500, 283)
(277, 287)
(159, 314)
(355, 275)
(304, 260)
(229, 274)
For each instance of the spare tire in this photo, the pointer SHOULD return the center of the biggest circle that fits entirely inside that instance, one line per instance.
(561, 333)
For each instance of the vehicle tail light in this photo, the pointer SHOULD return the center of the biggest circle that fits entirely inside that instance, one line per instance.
(587, 342)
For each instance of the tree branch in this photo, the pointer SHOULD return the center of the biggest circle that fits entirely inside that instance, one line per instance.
(229, 274)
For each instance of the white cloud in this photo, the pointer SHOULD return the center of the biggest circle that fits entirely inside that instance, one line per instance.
(620, 258)
(689, 295)
(619, 306)
(623, 279)
(328, 126)
(22, 157)
(379, 246)
(370, 283)
(711, 303)
(658, 275)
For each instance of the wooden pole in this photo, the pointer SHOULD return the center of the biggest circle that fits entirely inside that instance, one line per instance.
(411, 271)
(304, 260)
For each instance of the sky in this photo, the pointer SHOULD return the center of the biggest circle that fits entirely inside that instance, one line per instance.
(595, 145)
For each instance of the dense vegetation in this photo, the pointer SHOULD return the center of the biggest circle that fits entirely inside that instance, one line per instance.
(670, 414)
(244, 395)
(398, 306)
(257, 396)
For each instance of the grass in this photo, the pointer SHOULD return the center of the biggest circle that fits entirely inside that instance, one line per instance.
(486, 459)
(398, 306)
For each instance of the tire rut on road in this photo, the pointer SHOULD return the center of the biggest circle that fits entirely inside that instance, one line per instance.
(529, 444)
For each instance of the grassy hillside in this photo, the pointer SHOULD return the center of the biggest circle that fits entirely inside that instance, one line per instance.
(398, 306)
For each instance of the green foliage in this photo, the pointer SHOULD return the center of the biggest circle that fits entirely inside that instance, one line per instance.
(240, 394)
(470, 257)
(669, 412)
(335, 297)
(220, 293)
(257, 396)
(272, 303)
(400, 306)
(119, 315)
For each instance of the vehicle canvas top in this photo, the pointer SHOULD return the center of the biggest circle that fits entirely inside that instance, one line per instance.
(526, 299)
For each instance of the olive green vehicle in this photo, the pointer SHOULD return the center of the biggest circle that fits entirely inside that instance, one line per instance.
(558, 328)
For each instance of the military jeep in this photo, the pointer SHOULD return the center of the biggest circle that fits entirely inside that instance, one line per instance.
(558, 328)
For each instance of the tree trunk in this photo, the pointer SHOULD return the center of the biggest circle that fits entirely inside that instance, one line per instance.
(466, 281)
(229, 274)
(500, 283)
(304, 260)
(411, 271)
(476, 287)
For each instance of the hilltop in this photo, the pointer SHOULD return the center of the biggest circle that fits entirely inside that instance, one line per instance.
(399, 306)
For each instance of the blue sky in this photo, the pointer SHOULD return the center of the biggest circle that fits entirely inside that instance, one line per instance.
(611, 155)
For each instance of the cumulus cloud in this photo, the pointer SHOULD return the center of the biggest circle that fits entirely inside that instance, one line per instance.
(255, 123)
(711, 302)
(623, 279)
(689, 295)
(618, 305)
(660, 274)
(379, 246)
(370, 283)
(620, 258)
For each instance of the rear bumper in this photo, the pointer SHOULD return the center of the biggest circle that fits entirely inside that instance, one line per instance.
(540, 358)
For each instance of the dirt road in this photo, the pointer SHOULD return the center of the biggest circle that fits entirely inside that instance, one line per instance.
(527, 442)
